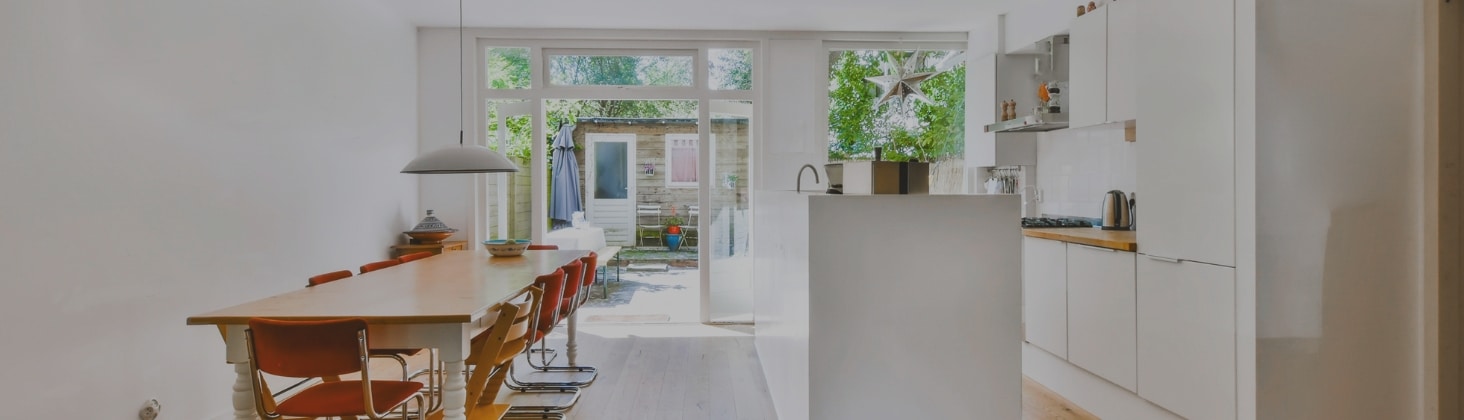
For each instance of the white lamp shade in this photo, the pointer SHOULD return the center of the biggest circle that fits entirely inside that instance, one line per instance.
(469, 159)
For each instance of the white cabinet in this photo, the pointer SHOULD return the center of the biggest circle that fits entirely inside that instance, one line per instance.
(1123, 48)
(1186, 158)
(1102, 319)
(1104, 44)
(1044, 294)
(1088, 70)
(1186, 337)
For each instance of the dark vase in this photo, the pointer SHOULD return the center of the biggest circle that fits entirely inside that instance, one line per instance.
(673, 242)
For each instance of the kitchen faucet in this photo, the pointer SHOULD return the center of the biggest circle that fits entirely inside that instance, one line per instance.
(800, 176)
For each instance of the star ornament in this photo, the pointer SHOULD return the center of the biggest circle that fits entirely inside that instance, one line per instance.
(904, 83)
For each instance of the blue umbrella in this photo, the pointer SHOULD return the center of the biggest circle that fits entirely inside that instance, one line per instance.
(564, 200)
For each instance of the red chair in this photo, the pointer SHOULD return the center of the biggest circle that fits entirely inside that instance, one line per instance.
(543, 247)
(548, 316)
(414, 256)
(328, 277)
(369, 267)
(400, 355)
(582, 274)
(311, 349)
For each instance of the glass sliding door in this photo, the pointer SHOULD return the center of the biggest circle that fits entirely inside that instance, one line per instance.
(727, 221)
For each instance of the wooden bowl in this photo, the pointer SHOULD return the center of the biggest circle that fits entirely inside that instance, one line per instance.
(429, 237)
(506, 248)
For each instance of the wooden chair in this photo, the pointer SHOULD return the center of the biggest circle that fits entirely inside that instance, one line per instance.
(543, 247)
(414, 256)
(645, 229)
(323, 349)
(369, 267)
(328, 277)
(493, 350)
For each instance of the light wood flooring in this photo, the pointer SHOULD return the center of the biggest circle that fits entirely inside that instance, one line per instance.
(693, 371)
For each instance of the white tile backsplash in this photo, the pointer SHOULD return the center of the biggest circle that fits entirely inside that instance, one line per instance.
(1075, 167)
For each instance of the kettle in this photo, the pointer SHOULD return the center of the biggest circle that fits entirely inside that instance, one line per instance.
(1118, 211)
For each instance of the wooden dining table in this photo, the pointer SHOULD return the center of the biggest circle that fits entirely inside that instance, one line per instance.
(433, 303)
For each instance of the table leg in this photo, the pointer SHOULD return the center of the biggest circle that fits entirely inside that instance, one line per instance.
(572, 348)
(454, 389)
(243, 393)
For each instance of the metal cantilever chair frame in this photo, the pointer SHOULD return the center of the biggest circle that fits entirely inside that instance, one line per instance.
(587, 279)
(551, 294)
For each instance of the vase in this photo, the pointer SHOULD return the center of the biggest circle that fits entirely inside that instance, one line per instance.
(673, 242)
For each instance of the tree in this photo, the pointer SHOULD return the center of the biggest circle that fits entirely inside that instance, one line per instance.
(906, 131)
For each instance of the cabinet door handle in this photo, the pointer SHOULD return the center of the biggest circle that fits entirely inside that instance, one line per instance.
(1097, 248)
(1168, 260)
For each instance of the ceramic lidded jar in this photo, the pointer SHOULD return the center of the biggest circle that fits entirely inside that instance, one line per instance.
(430, 230)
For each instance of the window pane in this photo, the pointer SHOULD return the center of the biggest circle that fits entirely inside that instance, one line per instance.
(610, 170)
(731, 69)
(506, 68)
(681, 156)
(906, 127)
(620, 70)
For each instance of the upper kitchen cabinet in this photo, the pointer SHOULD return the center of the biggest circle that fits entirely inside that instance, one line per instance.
(1104, 43)
(1186, 161)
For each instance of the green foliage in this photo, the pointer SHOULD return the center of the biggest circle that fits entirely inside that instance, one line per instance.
(508, 68)
(906, 131)
(731, 69)
(674, 221)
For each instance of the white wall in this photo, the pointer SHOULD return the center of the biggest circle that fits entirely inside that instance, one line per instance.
(1338, 210)
(450, 196)
(1076, 167)
(163, 158)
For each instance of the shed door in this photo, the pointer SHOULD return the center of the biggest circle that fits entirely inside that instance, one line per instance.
(611, 185)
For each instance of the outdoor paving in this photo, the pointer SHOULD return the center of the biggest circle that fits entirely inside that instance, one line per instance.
(641, 297)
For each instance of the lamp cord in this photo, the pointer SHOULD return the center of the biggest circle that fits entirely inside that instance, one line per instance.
(460, 73)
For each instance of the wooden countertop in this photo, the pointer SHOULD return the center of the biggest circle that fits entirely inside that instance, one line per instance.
(1122, 240)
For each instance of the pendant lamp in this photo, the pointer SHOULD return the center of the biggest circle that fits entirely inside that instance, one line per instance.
(464, 159)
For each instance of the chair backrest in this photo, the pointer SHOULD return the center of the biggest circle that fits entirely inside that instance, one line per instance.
(588, 279)
(378, 265)
(493, 350)
(644, 213)
(543, 247)
(328, 277)
(307, 349)
(553, 286)
(414, 256)
(574, 273)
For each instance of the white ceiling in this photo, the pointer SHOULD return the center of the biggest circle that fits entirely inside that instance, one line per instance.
(792, 15)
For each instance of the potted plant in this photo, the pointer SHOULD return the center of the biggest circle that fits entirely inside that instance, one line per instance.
(673, 233)
(673, 225)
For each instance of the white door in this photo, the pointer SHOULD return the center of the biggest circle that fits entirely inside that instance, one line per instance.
(610, 185)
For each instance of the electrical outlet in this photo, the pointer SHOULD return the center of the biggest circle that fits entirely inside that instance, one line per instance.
(150, 410)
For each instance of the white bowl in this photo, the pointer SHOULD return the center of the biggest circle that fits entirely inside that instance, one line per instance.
(506, 248)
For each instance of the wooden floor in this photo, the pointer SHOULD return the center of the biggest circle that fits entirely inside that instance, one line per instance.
(682, 371)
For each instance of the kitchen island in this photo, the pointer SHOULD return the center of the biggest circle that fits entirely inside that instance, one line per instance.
(889, 306)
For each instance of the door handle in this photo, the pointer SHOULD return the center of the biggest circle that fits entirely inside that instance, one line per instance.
(1168, 260)
(1095, 248)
